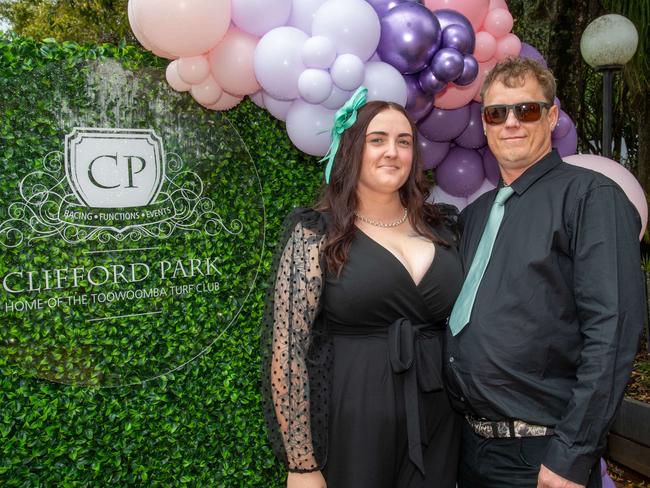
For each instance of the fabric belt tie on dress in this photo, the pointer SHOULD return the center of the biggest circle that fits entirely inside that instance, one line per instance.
(404, 358)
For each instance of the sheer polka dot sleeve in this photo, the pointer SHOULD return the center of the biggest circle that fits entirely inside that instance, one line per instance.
(295, 349)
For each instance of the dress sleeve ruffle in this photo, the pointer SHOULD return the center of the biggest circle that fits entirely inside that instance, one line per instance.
(296, 352)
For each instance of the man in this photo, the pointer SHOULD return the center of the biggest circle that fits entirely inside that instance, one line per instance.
(546, 327)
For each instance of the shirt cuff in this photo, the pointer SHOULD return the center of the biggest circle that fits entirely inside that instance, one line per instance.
(568, 462)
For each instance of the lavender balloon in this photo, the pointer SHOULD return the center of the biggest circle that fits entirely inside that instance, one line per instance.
(563, 126)
(568, 144)
(458, 37)
(447, 64)
(445, 125)
(410, 34)
(461, 173)
(470, 71)
(418, 104)
(528, 51)
(433, 153)
(429, 83)
(447, 17)
(473, 136)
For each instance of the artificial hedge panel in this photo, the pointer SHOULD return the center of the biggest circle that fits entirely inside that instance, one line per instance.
(200, 425)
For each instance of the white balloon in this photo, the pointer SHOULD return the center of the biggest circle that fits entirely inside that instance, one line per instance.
(439, 196)
(258, 98)
(302, 13)
(485, 187)
(385, 83)
(257, 17)
(347, 71)
(337, 98)
(315, 85)
(278, 63)
(318, 52)
(309, 126)
(174, 80)
(277, 108)
(352, 25)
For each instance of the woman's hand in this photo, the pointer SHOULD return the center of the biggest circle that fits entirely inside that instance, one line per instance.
(306, 480)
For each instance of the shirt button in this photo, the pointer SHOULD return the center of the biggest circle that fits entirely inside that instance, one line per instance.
(451, 359)
(462, 399)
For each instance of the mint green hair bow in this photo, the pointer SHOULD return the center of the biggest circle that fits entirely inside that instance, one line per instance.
(344, 118)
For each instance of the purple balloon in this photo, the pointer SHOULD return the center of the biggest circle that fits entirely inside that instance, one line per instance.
(458, 37)
(470, 71)
(447, 64)
(432, 152)
(607, 482)
(556, 101)
(461, 173)
(410, 34)
(444, 125)
(491, 167)
(528, 51)
(383, 6)
(568, 144)
(418, 103)
(447, 17)
(563, 126)
(473, 136)
(429, 83)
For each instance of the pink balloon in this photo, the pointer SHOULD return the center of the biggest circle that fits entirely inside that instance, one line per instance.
(474, 10)
(483, 69)
(183, 28)
(231, 62)
(508, 46)
(226, 101)
(174, 80)
(193, 69)
(455, 96)
(621, 176)
(139, 35)
(207, 92)
(498, 4)
(486, 46)
(498, 22)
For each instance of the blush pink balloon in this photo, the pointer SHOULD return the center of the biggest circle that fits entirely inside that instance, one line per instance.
(139, 35)
(231, 62)
(207, 92)
(498, 4)
(174, 80)
(193, 69)
(498, 22)
(455, 96)
(226, 101)
(621, 176)
(486, 46)
(474, 10)
(508, 46)
(483, 69)
(183, 28)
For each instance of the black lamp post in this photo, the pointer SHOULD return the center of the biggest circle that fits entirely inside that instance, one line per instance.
(606, 45)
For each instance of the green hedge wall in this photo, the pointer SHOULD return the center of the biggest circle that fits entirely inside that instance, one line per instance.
(198, 426)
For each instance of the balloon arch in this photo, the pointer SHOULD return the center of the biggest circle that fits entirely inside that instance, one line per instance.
(302, 59)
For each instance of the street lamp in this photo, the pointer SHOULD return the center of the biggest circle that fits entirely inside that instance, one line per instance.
(607, 44)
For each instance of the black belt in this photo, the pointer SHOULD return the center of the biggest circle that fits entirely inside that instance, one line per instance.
(413, 368)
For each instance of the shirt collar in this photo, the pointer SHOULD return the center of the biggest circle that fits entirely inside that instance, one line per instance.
(535, 172)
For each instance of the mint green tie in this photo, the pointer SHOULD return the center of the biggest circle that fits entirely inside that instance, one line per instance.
(463, 307)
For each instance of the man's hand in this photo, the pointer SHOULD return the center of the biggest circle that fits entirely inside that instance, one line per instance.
(548, 479)
(306, 480)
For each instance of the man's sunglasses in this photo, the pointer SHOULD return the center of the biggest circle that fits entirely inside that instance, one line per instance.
(524, 111)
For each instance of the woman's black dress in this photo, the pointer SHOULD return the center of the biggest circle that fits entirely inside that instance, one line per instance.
(389, 423)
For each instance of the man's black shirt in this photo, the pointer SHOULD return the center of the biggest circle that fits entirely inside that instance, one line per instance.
(557, 316)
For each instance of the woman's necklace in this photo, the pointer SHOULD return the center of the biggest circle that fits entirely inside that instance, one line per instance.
(377, 223)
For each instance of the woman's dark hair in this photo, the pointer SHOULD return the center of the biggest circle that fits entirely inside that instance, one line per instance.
(339, 198)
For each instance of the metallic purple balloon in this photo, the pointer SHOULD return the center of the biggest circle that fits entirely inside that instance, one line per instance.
(458, 37)
(447, 17)
(473, 136)
(418, 103)
(410, 34)
(461, 173)
(470, 71)
(447, 64)
(383, 6)
(429, 83)
(432, 152)
(444, 125)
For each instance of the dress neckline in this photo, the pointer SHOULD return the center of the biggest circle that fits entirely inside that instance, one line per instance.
(399, 262)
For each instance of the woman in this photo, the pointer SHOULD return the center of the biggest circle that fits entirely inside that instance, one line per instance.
(356, 318)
